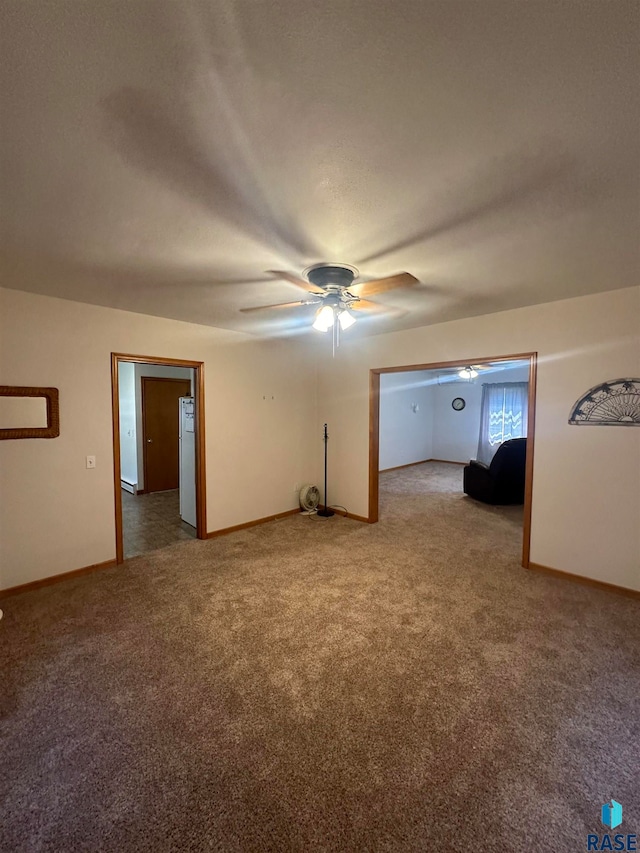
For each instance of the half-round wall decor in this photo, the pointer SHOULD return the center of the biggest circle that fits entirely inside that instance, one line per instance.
(614, 403)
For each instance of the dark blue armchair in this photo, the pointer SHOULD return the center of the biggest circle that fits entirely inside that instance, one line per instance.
(502, 482)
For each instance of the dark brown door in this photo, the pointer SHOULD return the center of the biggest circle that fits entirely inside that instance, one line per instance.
(160, 419)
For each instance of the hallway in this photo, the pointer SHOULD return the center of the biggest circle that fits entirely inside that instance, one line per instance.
(152, 521)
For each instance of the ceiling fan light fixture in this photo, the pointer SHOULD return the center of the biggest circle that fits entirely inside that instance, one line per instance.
(346, 319)
(468, 373)
(331, 286)
(324, 319)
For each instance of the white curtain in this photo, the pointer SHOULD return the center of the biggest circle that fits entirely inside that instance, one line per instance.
(503, 415)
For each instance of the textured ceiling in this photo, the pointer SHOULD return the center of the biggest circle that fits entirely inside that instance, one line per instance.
(161, 156)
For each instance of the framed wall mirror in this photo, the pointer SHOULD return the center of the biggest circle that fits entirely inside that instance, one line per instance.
(27, 412)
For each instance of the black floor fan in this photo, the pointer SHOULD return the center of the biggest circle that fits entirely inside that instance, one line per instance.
(325, 512)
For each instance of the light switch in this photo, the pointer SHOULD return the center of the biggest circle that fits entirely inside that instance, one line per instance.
(91, 461)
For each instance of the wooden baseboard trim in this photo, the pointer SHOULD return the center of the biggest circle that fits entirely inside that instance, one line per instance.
(213, 534)
(408, 465)
(345, 514)
(421, 462)
(609, 587)
(75, 573)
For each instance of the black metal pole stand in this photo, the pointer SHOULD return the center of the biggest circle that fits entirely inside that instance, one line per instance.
(326, 512)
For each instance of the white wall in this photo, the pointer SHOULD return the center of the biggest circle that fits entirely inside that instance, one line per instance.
(161, 372)
(436, 431)
(130, 377)
(405, 434)
(55, 515)
(128, 425)
(586, 501)
(455, 434)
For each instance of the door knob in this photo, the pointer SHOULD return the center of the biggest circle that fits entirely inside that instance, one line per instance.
(149, 441)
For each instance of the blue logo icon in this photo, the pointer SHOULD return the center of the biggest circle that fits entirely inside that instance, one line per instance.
(612, 814)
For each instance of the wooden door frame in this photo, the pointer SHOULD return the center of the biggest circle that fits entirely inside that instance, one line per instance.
(374, 431)
(198, 392)
(143, 379)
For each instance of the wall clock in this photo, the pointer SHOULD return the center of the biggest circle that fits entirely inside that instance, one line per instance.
(458, 404)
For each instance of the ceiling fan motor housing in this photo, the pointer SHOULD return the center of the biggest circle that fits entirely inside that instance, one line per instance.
(329, 276)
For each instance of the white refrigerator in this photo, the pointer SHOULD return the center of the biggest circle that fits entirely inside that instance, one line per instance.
(187, 460)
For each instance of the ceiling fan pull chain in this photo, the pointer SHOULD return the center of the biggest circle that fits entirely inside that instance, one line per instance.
(334, 332)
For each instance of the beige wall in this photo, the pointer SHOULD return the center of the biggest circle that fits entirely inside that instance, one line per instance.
(55, 515)
(586, 500)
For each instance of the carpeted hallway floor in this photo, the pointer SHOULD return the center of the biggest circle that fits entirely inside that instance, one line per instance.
(322, 685)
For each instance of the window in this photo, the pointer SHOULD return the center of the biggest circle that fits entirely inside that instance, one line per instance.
(503, 415)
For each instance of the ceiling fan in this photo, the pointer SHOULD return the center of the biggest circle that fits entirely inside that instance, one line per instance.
(331, 288)
(472, 370)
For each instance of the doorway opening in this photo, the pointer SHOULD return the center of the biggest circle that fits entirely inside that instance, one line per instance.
(441, 413)
(158, 452)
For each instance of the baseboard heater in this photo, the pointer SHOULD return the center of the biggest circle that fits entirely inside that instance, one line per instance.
(129, 487)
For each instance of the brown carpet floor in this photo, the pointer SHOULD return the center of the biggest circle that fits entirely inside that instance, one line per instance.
(322, 685)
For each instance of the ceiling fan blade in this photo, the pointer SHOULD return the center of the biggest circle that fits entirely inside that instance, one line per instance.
(379, 285)
(367, 305)
(282, 305)
(293, 279)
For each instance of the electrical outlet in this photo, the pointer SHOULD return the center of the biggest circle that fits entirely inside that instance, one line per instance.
(297, 488)
(91, 461)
